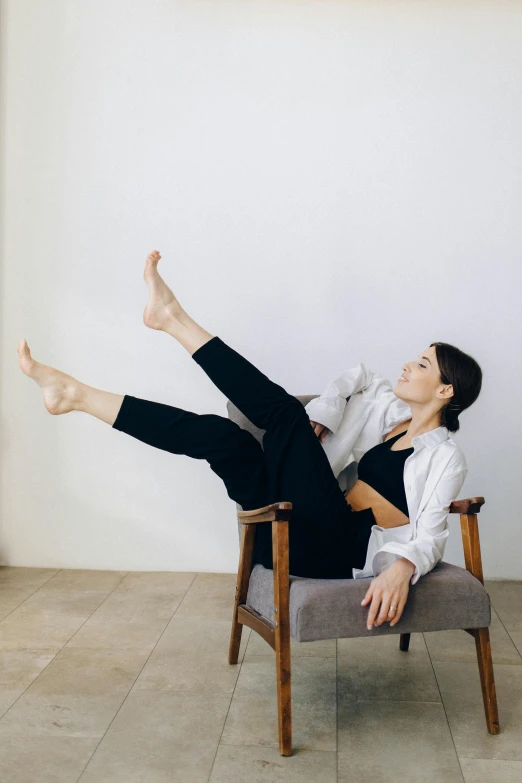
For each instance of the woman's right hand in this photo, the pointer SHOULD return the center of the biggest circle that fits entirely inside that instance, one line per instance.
(320, 430)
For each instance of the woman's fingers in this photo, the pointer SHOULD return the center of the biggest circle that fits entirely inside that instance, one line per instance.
(374, 596)
(383, 597)
(379, 611)
(387, 601)
(396, 600)
(397, 615)
(317, 427)
(374, 608)
(321, 430)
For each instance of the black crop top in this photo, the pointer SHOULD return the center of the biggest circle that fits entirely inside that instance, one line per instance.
(383, 469)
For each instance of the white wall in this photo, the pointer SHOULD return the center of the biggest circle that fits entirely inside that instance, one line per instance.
(327, 183)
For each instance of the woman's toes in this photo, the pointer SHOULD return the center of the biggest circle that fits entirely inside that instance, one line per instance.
(26, 361)
(162, 308)
(61, 392)
(151, 263)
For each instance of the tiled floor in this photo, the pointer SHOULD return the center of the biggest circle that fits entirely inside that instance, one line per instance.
(116, 677)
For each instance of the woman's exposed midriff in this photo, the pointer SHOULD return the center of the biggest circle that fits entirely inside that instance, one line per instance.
(363, 496)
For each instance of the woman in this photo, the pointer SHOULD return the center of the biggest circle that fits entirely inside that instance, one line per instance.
(329, 537)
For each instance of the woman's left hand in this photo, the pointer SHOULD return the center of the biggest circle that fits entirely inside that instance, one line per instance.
(390, 588)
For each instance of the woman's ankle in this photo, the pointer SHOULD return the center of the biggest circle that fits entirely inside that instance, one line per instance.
(188, 333)
(100, 404)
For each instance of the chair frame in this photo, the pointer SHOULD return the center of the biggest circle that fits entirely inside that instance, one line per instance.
(277, 633)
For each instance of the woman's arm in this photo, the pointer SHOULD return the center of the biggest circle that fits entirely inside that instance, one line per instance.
(328, 408)
(427, 548)
(362, 496)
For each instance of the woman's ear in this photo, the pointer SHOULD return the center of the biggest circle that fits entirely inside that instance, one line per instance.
(447, 392)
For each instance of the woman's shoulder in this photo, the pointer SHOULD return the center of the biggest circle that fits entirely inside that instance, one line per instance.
(457, 458)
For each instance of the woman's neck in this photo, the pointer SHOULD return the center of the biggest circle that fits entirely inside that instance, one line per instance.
(421, 423)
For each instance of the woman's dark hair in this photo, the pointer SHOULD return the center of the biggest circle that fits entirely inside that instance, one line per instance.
(464, 374)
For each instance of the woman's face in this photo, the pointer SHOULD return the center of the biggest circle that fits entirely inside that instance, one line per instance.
(423, 383)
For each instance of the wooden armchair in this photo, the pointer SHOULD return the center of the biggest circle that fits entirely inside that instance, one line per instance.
(278, 606)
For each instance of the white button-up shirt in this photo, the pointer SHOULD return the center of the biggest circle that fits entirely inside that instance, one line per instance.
(433, 474)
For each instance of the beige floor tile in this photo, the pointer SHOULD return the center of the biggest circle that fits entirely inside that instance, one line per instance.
(44, 759)
(61, 714)
(460, 646)
(487, 770)
(462, 697)
(516, 638)
(326, 648)
(167, 671)
(74, 602)
(205, 637)
(13, 597)
(140, 608)
(155, 583)
(107, 631)
(36, 626)
(18, 669)
(136, 613)
(192, 655)
(386, 742)
(506, 598)
(160, 737)
(54, 612)
(81, 579)
(8, 696)
(210, 597)
(376, 668)
(235, 764)
(252, 719)
(67, 590)
(142, 595)
(18, 576)
(87, 672)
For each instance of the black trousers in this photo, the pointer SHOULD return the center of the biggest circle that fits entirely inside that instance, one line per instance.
(327, 538)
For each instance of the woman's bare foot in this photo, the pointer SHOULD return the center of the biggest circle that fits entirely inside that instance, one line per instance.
(164, 312)
(162, 308)
(61, 392)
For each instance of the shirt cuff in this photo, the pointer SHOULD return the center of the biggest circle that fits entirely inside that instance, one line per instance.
(384, 557)
(322, 413)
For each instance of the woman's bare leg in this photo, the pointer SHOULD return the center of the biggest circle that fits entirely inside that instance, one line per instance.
(164, 312)
(62, 393)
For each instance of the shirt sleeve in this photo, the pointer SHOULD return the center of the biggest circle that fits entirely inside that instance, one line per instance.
(328, 409)
(427, 548)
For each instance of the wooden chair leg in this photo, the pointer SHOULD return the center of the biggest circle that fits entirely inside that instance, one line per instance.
(468, 510)
(487, 681)
(243, 576)
(404, 643)
(282, 635)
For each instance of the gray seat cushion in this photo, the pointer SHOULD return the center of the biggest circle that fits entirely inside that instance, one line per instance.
(448, 597)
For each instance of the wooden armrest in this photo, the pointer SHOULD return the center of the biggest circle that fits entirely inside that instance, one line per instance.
(275, 512)
(467, 506)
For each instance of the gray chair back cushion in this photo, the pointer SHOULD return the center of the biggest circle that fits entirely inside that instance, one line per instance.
(448, 597)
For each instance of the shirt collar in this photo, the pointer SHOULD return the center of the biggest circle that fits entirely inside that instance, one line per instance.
(430, 439)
